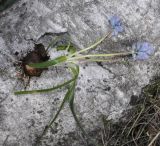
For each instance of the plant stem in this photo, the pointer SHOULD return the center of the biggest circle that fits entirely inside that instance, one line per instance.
(95, 60)
(99, 55)
(154, 139)
(92, 46)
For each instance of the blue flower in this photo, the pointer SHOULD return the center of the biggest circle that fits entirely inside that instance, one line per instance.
(116, 25)
(142, 50)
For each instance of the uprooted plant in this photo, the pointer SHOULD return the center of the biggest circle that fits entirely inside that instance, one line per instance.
(72, 59)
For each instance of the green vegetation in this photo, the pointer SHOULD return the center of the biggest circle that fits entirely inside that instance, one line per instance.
(71, 60)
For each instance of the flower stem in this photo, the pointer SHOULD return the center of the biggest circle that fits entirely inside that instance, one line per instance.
(92, 46)
(99, 55)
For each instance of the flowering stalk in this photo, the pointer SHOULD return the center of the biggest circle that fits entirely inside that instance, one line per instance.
(92, 46)
(98, 55)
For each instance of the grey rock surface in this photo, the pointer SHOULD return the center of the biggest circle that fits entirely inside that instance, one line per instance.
(102, 89)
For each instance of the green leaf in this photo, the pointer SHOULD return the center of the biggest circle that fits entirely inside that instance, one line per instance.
(71, 105)
(70, 48)
(53, 42)
(51, 122)
(53, 62)
(61, 48)
(45, 90)
(67, 95)
(74, 70)
(64, 47)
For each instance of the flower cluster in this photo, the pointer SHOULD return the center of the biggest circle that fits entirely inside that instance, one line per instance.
(142, 50)
(116, 25)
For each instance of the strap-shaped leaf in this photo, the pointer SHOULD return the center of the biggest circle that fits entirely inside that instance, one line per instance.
(74, 70)
(53, 43)
(71, 105)
(71, 49)
(68, 95)
(45, 90)
(63, 47)
(53, 62)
